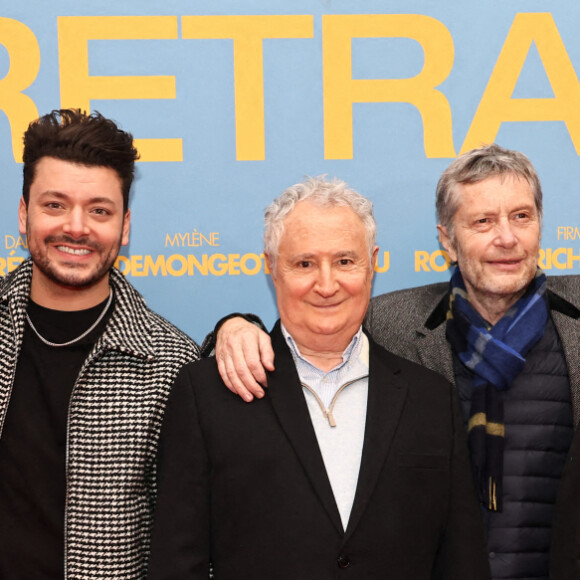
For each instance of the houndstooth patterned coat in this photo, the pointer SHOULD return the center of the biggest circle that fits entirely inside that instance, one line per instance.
(114, 419)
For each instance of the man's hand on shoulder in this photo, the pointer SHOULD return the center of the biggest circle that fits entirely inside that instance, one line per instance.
(244, 353)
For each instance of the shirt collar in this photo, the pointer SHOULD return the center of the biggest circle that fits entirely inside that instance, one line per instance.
(352, 351)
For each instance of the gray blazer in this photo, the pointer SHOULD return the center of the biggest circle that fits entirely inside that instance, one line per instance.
(410, 323)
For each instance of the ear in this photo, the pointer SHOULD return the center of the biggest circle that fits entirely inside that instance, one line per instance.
(374, 258)
(126, 228)
(22, 216)
(269, 265)
(446, 242)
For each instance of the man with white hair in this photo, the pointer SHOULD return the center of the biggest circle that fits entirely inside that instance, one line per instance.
(507, 337)
(355, 462)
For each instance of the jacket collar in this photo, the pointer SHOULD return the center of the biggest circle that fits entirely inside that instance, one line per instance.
(386, 399)
(434, 351)
(560, 304)
(129, 327)
(16, 286)
(556, 302)
(290, 406)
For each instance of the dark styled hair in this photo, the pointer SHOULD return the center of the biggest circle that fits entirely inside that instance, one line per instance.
(86, 139)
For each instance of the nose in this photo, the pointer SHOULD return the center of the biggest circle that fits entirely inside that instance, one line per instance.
(326, 283)
(76, 225)
(505, 238)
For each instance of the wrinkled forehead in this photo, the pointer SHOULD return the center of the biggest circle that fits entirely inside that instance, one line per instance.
(493, 193)
(320, 220)
(320, 228)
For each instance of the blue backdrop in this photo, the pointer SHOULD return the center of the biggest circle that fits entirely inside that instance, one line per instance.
(231, 102)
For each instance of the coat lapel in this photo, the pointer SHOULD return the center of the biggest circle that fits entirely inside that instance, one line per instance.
(387, 393)
(569, 331)
(434, 352)
(431, 347)
(563, 295)
(291, 409)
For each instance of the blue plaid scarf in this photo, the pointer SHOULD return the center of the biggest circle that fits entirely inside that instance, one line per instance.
(496, 356)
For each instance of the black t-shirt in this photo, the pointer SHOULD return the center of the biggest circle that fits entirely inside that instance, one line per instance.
(33, 442)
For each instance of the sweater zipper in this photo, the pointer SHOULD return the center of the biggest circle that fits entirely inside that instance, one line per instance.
(328, 413)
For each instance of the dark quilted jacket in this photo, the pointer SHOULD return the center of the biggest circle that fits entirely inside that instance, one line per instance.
(539, 430)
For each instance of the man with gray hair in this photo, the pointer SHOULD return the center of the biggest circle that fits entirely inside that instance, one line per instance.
(507, 337)
(355, 462)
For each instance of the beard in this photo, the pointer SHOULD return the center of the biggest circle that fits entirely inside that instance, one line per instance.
(72, 274)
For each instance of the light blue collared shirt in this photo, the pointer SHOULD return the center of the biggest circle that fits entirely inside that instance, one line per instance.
(326, 383)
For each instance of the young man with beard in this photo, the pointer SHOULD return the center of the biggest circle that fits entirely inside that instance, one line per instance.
(85, 366)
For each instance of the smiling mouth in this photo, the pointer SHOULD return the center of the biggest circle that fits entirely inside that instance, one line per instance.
(506, 263)
(73, 251)
(324, 306)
